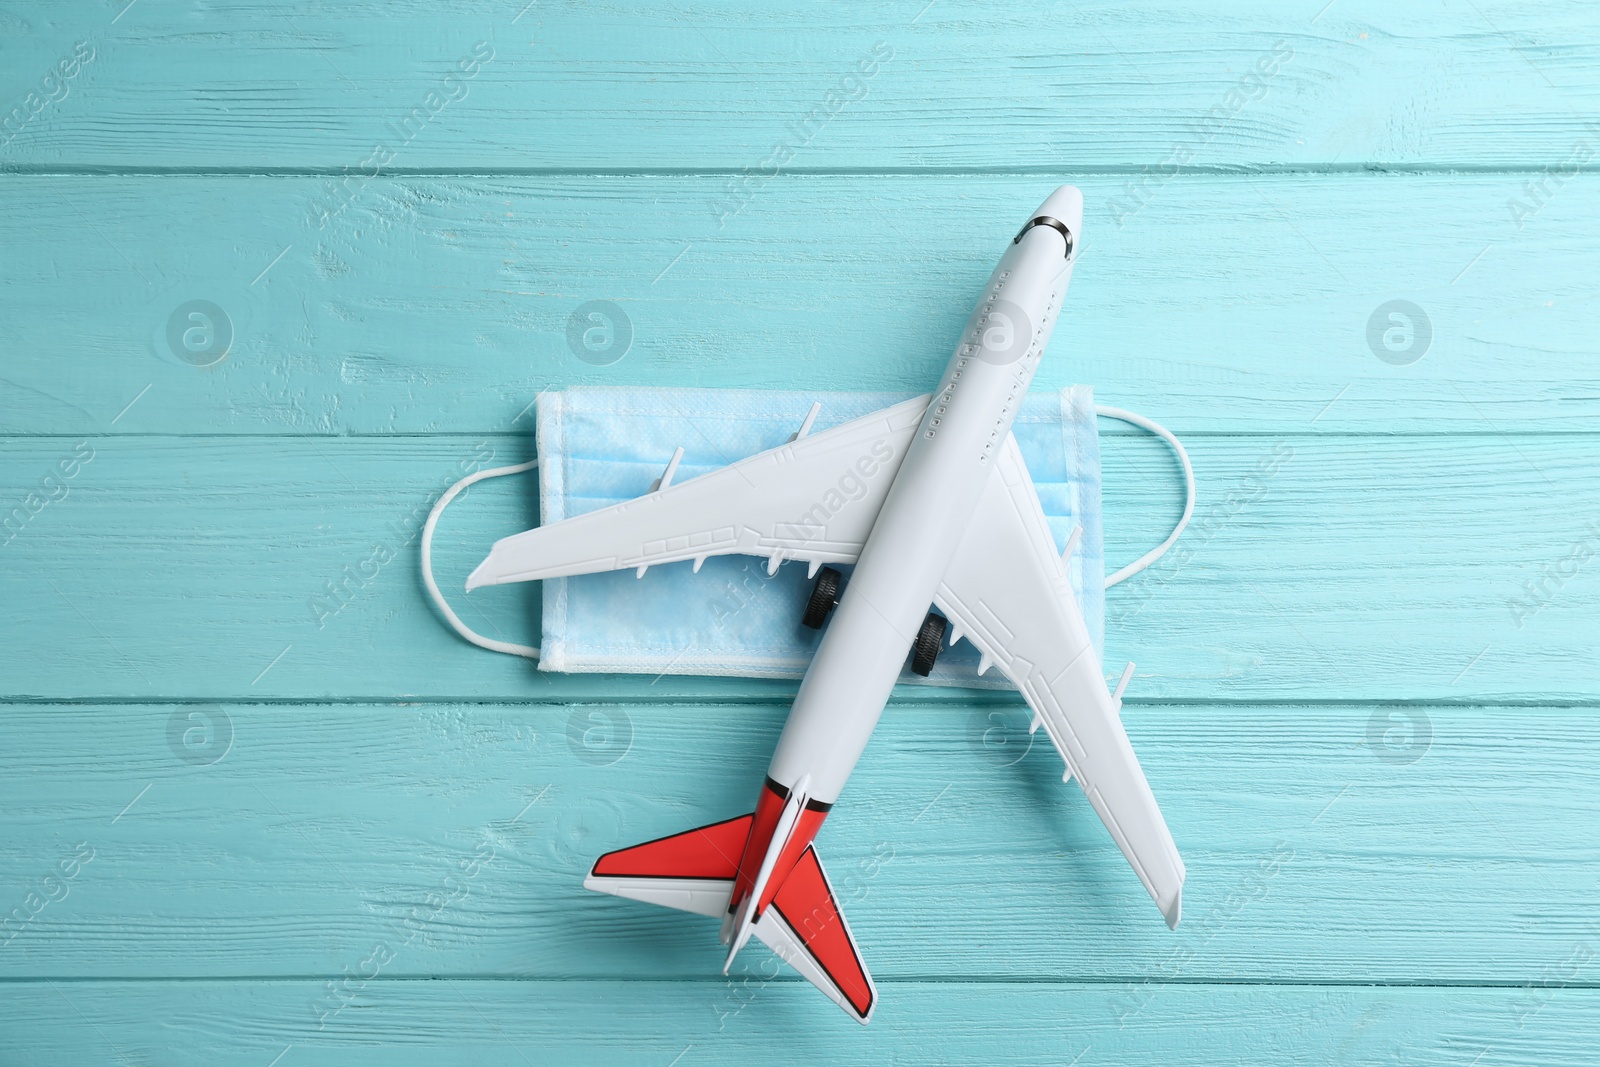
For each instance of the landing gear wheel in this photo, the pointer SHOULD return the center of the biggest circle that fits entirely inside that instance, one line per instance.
(824, 595)
(926, 648)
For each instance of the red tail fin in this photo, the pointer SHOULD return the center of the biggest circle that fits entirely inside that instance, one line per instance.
(805, 927)
(708, 852)
(695, 871)
(691, 871)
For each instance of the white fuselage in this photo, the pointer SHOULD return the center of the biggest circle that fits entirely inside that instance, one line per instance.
(865, 644)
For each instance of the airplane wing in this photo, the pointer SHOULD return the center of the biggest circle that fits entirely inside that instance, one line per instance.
(1008, 593)
(814, 498)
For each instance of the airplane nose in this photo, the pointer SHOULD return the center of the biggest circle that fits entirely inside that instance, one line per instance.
(1066, 205)
(1062, 210)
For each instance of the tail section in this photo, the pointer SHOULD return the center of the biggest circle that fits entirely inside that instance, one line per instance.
(797, 917)
(692, 871)
(804, 926)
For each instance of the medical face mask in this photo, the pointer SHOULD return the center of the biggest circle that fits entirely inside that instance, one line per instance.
(601, 446)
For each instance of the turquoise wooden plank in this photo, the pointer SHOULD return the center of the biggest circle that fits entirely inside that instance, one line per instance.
(443, 304)
(1334, 844)
(471, 1022)
(246, 85)
(1323, 567)
(1374, 532)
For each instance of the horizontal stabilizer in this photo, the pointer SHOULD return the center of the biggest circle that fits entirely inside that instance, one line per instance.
(692, 871)
(804, 926)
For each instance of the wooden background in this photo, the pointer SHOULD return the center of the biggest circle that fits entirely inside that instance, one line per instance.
(1366, 698)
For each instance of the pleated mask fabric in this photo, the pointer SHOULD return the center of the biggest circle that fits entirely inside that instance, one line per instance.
(601, 446)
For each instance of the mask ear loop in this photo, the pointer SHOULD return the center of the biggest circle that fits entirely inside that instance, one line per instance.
(450, 616)
(1188, 488)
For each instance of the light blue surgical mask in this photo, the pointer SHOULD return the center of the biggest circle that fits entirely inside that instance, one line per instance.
(602, 446)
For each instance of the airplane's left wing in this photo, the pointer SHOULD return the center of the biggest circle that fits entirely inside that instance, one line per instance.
(814, 498)
(1007, 592)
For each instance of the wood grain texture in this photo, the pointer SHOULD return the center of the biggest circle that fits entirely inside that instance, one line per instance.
(1366, 689)
(259, 85)
(1362, 568)
(442, 304)
(468, 1022)
(1339, 845)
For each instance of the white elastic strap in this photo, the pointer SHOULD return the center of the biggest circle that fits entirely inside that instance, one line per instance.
(427, 563)
(1188, 490)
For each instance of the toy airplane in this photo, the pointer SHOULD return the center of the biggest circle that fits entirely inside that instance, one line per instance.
(932, 503)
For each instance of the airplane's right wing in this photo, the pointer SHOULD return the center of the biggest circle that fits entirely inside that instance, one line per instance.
(814, 498)
(1008, 593)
